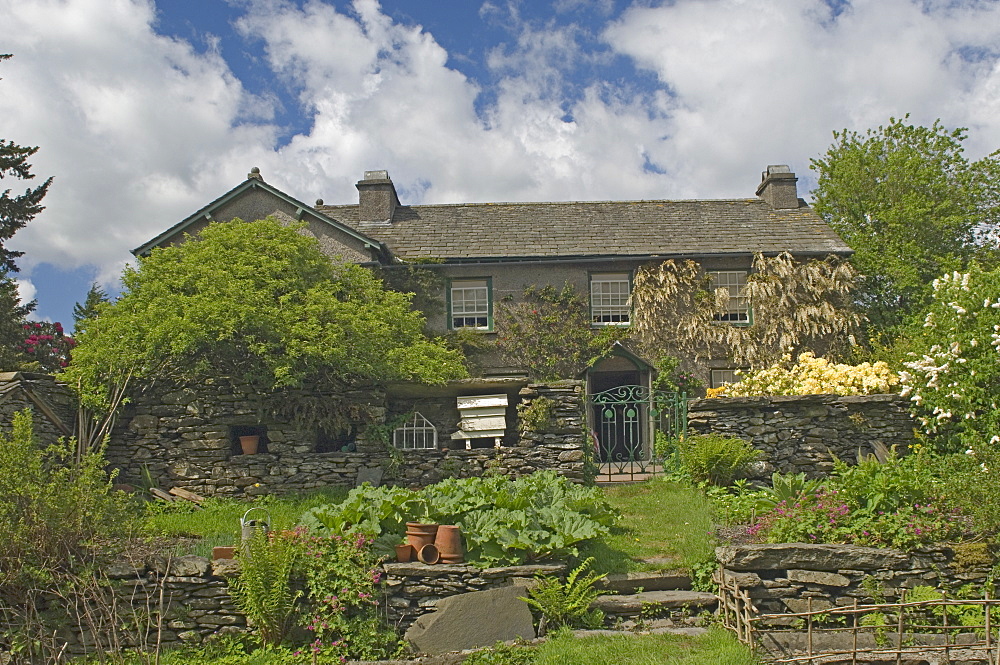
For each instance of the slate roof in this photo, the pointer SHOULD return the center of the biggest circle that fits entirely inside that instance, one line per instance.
(498, 231)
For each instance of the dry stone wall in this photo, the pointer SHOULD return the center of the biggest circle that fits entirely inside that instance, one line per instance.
(48, 400)
(803, 433)
(414, 589)
(187, 437)
(782, 578)
(185, 600)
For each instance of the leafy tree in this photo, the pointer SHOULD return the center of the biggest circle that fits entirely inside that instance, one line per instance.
(260, 302)
(550, 333)
(16, 211)
(912, 207)
(88, 308)
(45, 346)
(953, 374)
(13, 318)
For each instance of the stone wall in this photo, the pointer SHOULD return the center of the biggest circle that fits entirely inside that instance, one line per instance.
(196, 605)
(414, 589)
(781, 578)
(187, 437)
(182, 600)
(802, 433)
(52, 404)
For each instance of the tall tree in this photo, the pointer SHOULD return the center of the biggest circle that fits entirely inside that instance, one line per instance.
(88, 308)
(16, 211)
(912, 207)
(260, 302)
(13, 318)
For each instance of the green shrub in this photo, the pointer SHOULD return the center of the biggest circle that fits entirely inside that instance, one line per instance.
(504, 521)
(715, 459)
(56, 509)
(567, 604)
(894, 503)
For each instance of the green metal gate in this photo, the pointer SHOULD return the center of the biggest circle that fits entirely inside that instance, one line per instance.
(623, 422)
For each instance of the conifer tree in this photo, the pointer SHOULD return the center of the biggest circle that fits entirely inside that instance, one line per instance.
(16, 210)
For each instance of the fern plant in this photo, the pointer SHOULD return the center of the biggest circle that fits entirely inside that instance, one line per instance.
(263, 590)
(567, 603)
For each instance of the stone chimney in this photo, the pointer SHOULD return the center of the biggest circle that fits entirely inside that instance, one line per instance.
(777, 187)
(377, 197)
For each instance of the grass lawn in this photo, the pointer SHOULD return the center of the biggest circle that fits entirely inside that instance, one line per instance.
(217, 523)
(661, 520)
(717, 647)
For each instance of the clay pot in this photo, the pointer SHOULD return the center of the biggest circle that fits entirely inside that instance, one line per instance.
(449, 543)
(249, 444)
(223, 552)
(428, 554)
(418, 534)
(404, 553)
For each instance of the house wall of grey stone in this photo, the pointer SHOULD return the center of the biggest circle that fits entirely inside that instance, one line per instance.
(258, 204)
(803, 433)
(186, 437)
(782, 578)
(24, 390)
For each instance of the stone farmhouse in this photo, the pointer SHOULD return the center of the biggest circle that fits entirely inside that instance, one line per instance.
(482, 253)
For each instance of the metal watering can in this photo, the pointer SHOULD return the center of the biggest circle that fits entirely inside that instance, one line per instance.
(249, 526)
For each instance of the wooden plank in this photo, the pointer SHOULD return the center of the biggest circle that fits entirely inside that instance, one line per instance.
(476, 401)
(182, 493)
(160, 494)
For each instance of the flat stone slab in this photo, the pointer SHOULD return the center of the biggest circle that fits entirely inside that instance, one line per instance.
(633, 582)
(805, 556)
(472, 620)
(633, 604)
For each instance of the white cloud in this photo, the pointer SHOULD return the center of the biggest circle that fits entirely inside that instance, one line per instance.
(140, 130)
(25, 290)
(758, 83)
(136, 128)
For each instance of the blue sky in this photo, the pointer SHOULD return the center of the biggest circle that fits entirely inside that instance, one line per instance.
(145, 111)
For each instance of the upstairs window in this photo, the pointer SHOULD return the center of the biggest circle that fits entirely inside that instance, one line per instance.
(735, 281)
(417, 433)
(470, 304)
(609, 298)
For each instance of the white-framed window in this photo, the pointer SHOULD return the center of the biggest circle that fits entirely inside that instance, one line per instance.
(417, 433)
(470, 304)
(721, 377)
(609, 298)
(735, 281)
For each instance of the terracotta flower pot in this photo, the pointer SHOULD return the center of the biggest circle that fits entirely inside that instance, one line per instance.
(428, 554)
(404, 553)
(223, 552)
(249, 444)
(418, 534)
(449, 543)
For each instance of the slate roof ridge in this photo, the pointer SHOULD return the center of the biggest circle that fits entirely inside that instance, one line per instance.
(749, 199)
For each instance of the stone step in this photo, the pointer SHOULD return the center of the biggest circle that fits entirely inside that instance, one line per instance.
(631, 605)
(645, 581)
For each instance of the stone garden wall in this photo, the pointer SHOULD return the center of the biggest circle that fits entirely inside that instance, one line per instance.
(414, 589)
(52, 404)
(802, 433)
(187, 437)
(781, 578)
(185, 600)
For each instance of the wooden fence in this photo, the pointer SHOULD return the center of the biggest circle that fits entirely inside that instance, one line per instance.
(898, 629)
